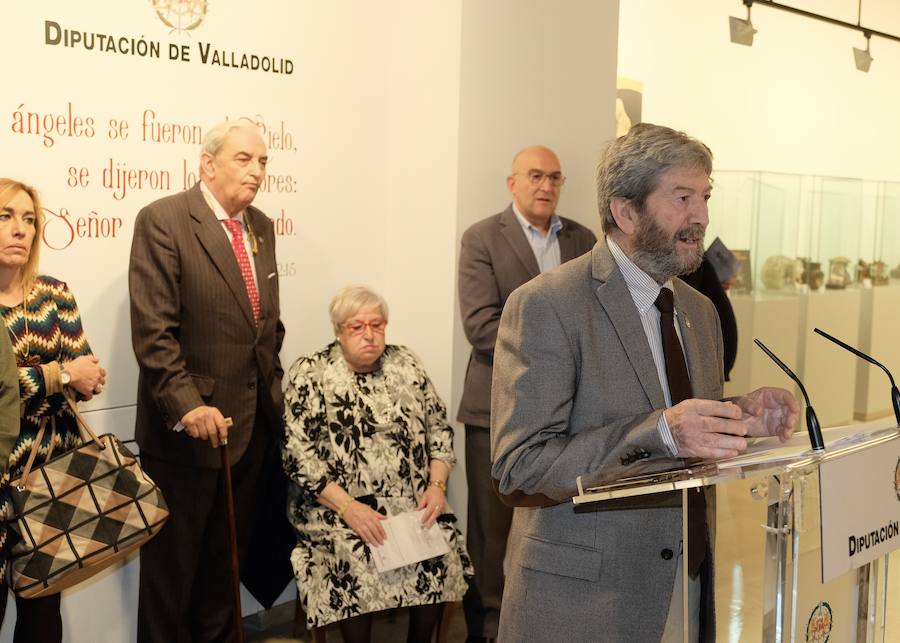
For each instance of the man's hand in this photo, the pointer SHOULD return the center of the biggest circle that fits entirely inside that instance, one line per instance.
(769, 411)
(707, 429)
(206, 423)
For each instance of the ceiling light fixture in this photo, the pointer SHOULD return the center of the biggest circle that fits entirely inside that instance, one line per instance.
(742, 31)
(862, 57)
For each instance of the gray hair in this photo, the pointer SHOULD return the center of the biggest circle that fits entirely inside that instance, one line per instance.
(349, 300)
(632, 165)
(215, 136)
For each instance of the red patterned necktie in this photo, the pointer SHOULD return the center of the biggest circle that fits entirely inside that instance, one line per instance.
(240, 253)
(680, 390)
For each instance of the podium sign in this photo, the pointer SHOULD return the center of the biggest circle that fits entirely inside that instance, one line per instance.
(860, 508)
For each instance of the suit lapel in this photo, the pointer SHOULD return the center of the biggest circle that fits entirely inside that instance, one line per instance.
(692, 353)
(612, 293)
(214, 240)
(512, 231)
(566, 244)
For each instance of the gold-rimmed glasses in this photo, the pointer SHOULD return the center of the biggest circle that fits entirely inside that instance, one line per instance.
(537, 178)
(358, 327)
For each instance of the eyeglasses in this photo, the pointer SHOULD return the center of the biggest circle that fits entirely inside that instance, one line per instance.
(359, 327)
(536, 178)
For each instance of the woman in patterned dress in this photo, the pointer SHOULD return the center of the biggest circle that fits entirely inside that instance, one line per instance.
(367, 437)
(52, 353)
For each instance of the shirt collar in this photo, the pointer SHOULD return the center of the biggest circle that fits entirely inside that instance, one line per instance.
(556, 223)
(216, 207)
(643, 288)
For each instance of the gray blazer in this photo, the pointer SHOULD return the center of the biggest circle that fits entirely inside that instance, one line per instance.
(193, 332)
(575, 390)
(495, 259)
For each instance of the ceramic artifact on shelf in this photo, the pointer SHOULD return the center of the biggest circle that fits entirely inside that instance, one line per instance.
(838, 275)
(880, 274)
(814, 275)
(801, 274)
(778, 272)
(743, 283)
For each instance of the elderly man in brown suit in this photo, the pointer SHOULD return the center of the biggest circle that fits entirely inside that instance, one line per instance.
(206, 333)
(498, 255)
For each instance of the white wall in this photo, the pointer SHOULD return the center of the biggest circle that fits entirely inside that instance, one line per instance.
(404, 118)
(793, 102)
(531, 73)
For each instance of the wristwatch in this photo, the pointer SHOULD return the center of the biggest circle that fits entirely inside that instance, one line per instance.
(64, 376)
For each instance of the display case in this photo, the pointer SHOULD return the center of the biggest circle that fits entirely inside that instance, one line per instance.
(805, 233)
(814, 248)
(838, 222)
(887, 228)
(756, 214)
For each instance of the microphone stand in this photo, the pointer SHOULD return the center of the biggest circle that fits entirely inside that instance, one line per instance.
(895, 393)
(812, 422)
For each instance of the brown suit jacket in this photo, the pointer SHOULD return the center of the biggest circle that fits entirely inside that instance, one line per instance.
(193, 332)
(495, 258)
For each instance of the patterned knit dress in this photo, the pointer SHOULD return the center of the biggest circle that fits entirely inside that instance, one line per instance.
(53, 333)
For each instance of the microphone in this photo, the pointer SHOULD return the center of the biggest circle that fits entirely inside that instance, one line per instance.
(895, 393)
(812, 422)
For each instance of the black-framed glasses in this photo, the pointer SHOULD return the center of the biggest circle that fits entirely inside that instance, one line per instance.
(536, 178)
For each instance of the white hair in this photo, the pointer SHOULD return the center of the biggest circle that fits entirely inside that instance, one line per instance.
(349, 300)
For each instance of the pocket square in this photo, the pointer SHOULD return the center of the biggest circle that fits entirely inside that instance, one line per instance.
(271, 274)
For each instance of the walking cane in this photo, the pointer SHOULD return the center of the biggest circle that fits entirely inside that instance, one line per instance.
(232, 540)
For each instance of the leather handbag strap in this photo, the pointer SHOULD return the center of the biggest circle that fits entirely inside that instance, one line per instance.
(35, 447)
(87, 434)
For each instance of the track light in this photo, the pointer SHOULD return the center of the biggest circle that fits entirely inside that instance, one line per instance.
(862, 57)
(742, 30)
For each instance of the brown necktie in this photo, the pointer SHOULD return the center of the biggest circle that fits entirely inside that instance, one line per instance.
(679, 390)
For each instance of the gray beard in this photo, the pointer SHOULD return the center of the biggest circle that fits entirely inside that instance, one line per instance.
(654, 253)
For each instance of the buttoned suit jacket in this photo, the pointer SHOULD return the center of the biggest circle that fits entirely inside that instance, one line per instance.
(193, 331)
(495, 258)
(576, 392)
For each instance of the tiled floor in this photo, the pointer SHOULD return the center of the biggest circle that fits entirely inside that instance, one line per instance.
(277, 626)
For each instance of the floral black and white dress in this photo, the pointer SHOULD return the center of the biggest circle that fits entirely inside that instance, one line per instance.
(373, 434)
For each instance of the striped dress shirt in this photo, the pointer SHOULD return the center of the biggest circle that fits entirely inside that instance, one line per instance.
(644, 291)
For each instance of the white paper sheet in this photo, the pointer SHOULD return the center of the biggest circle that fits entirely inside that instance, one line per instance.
(408, 542)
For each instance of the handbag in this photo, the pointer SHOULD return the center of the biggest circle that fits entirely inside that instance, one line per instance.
(78, 512)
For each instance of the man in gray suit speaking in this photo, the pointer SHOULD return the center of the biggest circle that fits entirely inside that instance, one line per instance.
(499, 254)
(603, 364)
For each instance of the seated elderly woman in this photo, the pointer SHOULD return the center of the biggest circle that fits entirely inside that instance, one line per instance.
(366, 438)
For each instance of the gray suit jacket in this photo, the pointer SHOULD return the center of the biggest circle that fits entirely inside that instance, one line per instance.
(193, 332)
(495, 258)
(575, 391)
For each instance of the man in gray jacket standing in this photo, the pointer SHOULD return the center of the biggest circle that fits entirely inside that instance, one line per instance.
(499, 254)
(609, 361)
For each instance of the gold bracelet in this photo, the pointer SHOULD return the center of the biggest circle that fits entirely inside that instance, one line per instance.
(344, 507)
(440, 484)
